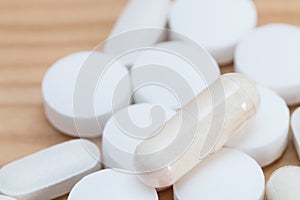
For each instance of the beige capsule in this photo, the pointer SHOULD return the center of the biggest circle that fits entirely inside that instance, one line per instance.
(197, 130)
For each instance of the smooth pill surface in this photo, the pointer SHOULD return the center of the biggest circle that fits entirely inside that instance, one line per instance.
(198, 130)
(127, 129)
(274, 49)
(172, 62)
(84, 115)
(227, 175)
(265, 137)
(141, 24)
(218, 25)
(50, 173)
(110, 184)
(284, 184)
(295, 123)
(6, 198)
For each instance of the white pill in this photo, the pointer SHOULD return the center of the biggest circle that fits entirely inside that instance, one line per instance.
(295, 123)
(190, 136)
(227, 175)
(189, 67)
(127, 129)
(50, 173)
(218, 25)
(110, 184)
(140, 25)
(270, 56)
(266, 136)
(284, 184)
(79, 98)
(6, 198)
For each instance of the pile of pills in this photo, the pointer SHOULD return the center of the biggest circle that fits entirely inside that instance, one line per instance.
(165, 115)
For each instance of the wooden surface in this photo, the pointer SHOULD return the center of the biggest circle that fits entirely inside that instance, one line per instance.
(35, 33)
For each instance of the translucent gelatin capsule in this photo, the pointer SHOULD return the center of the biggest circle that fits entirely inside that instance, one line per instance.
(197, 130)
(266, 137)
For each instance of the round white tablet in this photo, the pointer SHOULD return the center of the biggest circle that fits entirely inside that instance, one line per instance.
(127, 129)
(172, 74)
(266, 136)
(6, 198)
(218, 25)
(227, 175)
(113, 185)
(79, 98)
(295, 123)
(284, 184)
(270, 56)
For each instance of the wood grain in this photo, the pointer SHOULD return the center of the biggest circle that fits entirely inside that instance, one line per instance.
(35, 33)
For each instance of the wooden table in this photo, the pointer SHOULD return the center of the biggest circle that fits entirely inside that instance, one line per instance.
(35, 33)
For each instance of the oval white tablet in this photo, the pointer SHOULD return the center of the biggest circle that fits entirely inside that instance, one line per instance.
(295, 123)
(120, 139)
(270, 56)
(140, 25)
(266, 136)
(218, 25)
(172, 74)
(227, 175)
(110, 184)
(50, 173)
(110, 90)
(6, 198)
(284, 184)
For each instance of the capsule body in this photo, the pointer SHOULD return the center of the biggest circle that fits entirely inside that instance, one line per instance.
(197, 130)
